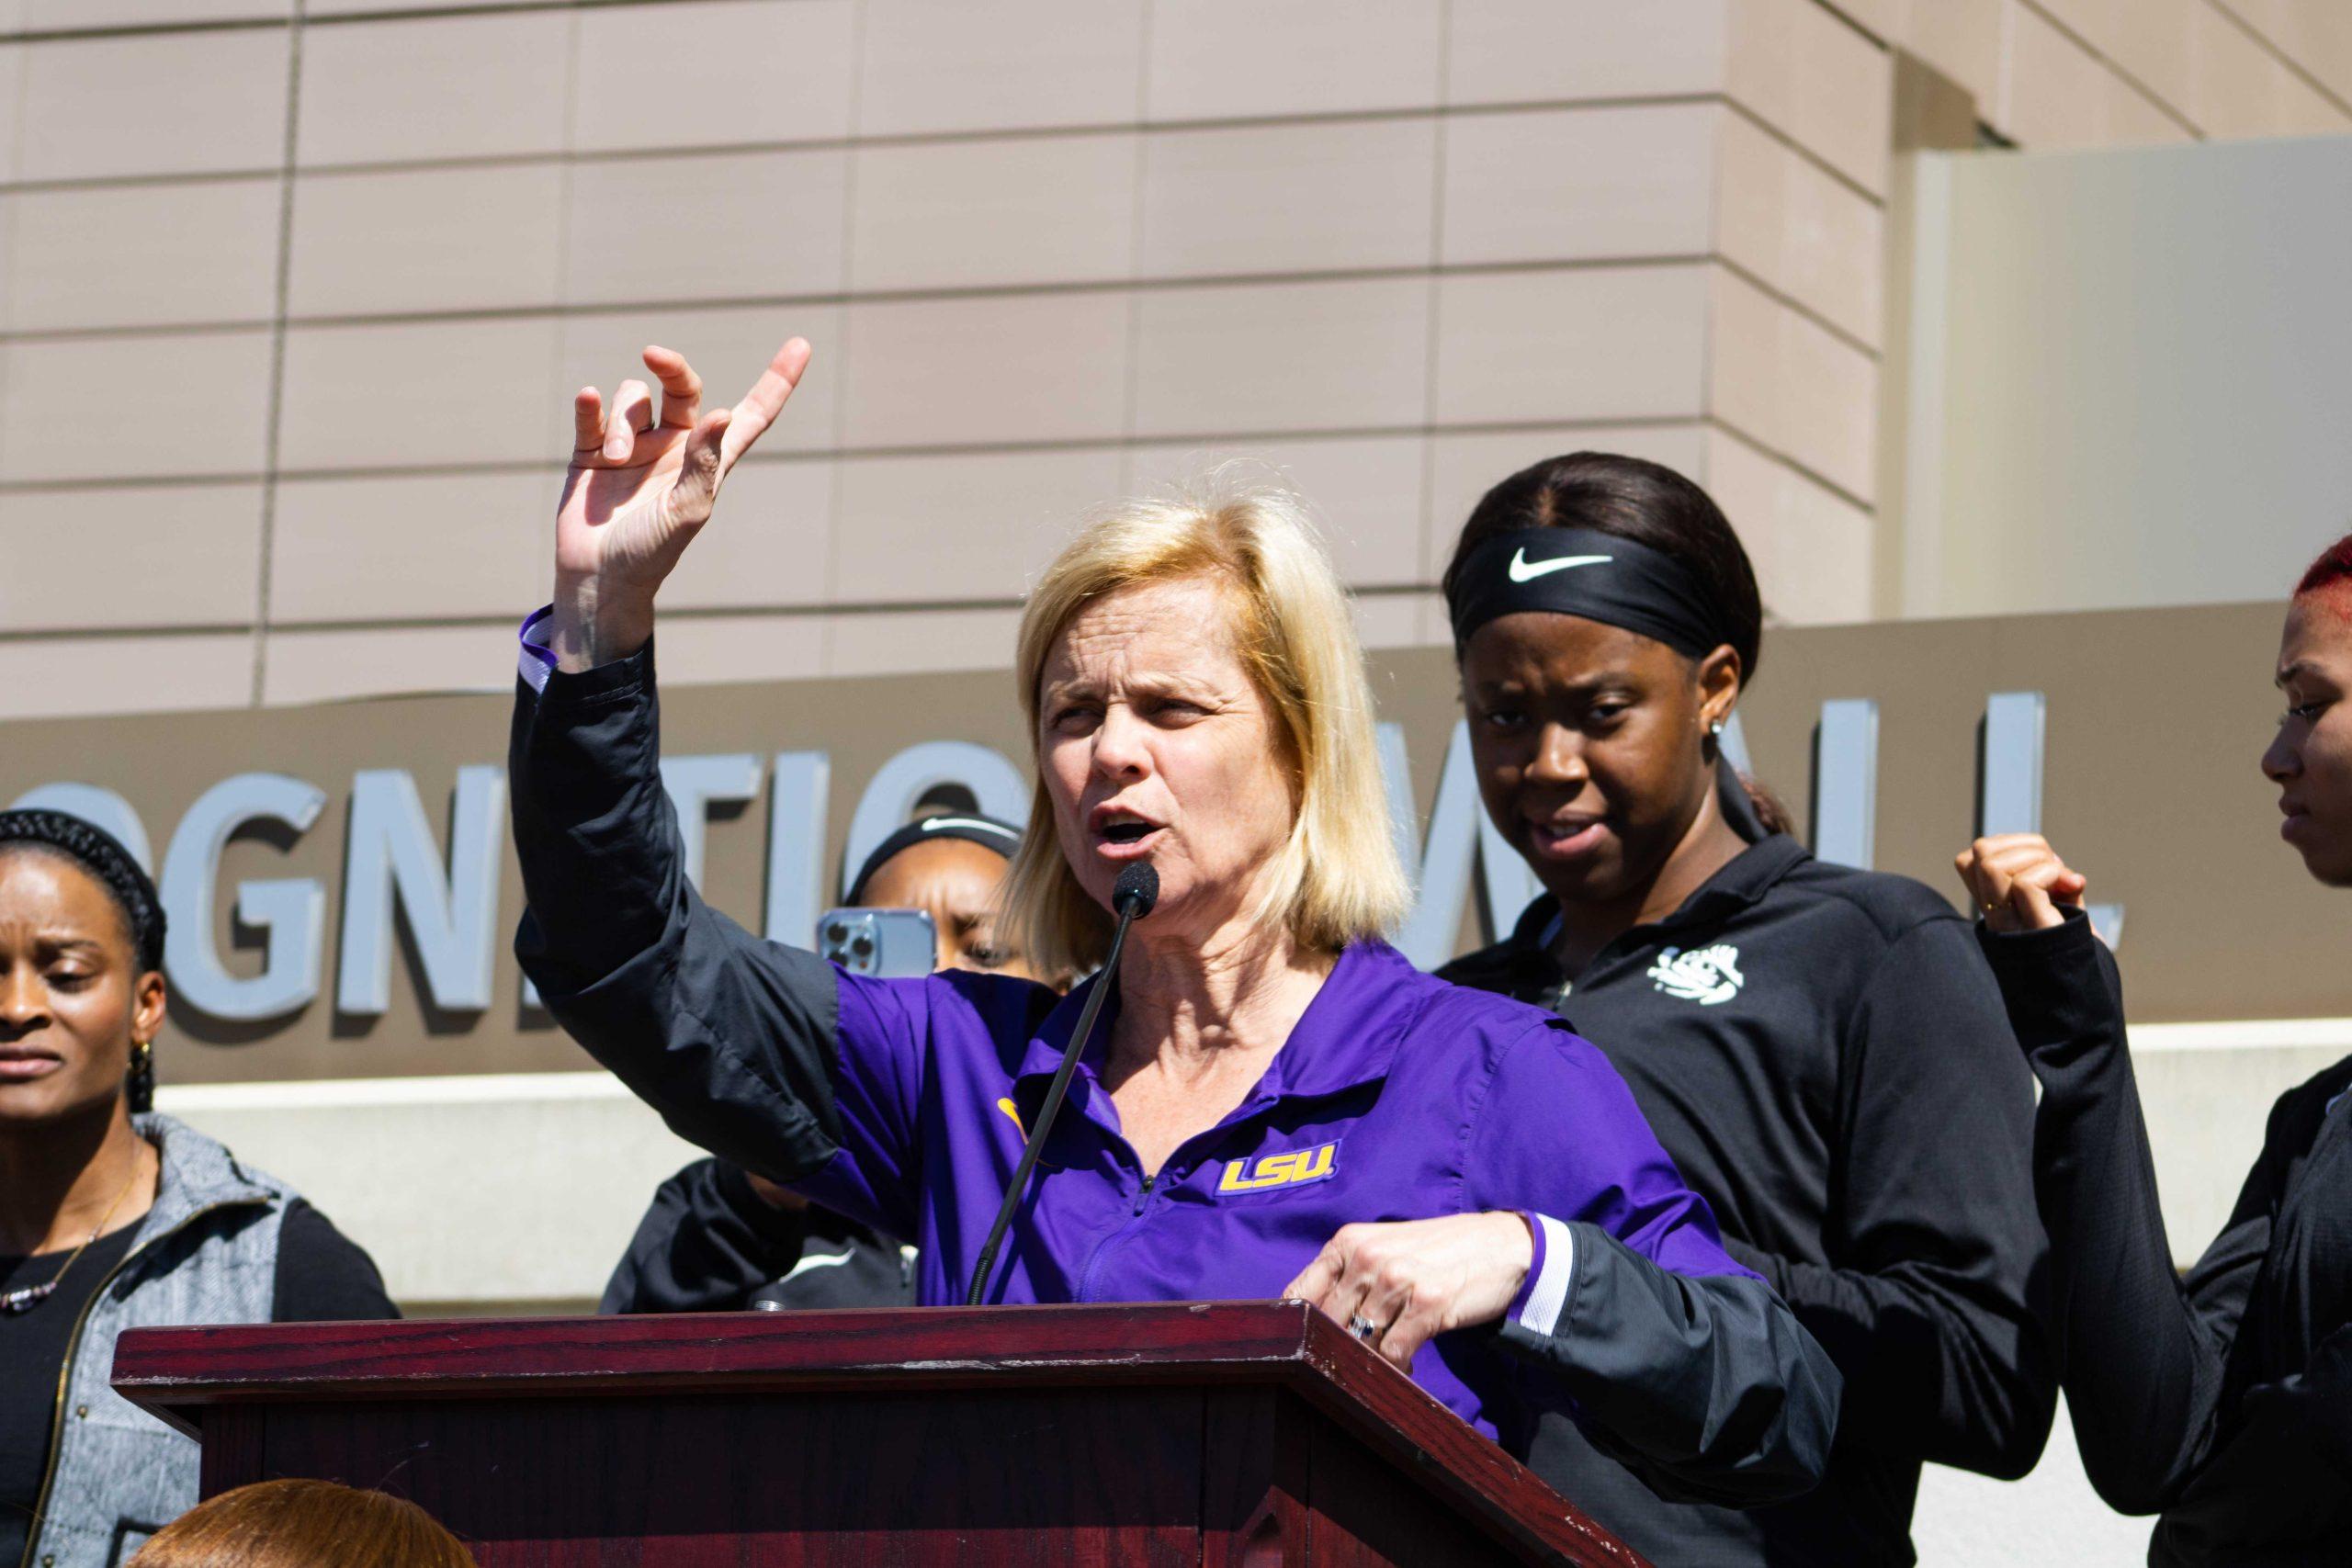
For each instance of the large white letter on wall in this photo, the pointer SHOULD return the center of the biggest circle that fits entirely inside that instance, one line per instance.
(451, 916)
(1845, 782)
(292, 911)
(796, 845)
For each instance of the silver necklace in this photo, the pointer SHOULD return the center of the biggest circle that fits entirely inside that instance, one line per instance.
(25, 1300)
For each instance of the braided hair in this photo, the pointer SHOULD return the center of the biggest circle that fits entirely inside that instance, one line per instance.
(130, 887)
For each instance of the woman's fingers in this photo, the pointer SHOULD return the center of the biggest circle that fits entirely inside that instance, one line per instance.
(1407, 1280)
(587, 423)
(607, 437)
(2031, 907)
(1416, 1324)
(1324, 1283)
(632, 411)
(1994, 842)
(619, 534)
(764, 401)
(1334, 1282)
(680, 387)
(2041, 894)
(1388, 1305)
(2018, 883)
(2052, 875)
(1988, 864)
(699, 478)
(1998, 870)
(1311, 1281)
(1986, 887)
(2036, 863)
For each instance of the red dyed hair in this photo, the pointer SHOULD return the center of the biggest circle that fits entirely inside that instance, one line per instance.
(303, 1524)
(2333, 566)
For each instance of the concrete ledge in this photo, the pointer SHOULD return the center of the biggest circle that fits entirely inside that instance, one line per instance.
(472, 1193)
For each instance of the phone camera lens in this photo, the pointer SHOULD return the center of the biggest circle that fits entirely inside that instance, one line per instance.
(863, 946)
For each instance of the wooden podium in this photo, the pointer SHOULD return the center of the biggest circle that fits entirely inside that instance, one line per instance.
(1236, 1435)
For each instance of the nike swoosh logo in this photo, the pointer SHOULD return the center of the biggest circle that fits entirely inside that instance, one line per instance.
(1525, 570)
(816, 1260)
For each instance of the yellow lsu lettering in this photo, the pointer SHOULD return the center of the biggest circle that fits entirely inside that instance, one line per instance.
(1012, 1112)
(1289, 1169)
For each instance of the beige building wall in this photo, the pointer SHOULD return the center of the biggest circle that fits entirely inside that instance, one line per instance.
(2130, 373)
(2056, 75)
(294, 296)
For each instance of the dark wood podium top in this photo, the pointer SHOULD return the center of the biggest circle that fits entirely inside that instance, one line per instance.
(179, 1374)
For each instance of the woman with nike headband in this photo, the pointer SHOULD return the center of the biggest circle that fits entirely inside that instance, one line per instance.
(1823, 1050)
(1276, 1103)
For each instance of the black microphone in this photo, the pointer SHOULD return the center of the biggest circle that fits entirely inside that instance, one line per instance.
(1132, 898)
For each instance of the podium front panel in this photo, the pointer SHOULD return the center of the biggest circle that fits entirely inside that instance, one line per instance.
(1226, 1435)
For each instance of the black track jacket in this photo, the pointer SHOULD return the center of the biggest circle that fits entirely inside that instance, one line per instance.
(2225, 1399)
(1824, 1053)
(710, 1243)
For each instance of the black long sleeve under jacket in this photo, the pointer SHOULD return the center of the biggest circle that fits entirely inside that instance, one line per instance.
(2222, 1399)
(1826, 1057)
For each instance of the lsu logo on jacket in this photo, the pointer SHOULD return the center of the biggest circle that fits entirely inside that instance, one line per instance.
(1708, 975)
(1293, 1168)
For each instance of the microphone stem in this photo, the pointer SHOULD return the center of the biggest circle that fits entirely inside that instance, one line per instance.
(1049, 1110)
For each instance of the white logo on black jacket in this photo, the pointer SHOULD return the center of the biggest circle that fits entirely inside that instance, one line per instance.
(1707, 976)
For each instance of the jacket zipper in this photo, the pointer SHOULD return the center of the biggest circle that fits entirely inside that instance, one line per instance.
(1134, 1223)
(74, 1348)
(1236, 1118)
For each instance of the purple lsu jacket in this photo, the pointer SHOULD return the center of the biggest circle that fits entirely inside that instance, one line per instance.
(902, 1104)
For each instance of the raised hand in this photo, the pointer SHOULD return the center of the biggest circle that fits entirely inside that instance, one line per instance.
(638, 490)
(2018, 883)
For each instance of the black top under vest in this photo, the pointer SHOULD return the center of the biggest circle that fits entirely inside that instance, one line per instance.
(320, 1276)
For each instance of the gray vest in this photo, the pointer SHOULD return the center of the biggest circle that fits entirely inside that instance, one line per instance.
(206, 1253)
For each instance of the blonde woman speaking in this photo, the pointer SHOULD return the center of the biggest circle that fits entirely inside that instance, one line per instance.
(1276, 1103)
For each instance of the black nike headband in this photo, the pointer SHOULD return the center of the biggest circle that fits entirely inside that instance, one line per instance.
(970, 828)
(1581, 571)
